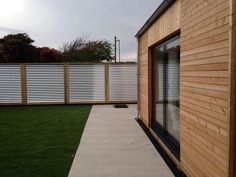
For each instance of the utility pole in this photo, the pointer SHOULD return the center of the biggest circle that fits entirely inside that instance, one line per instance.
(115, 48)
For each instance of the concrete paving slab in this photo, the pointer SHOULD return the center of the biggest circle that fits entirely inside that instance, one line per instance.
(114, 145)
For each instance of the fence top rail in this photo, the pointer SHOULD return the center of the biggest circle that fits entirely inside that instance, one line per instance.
(69, 63)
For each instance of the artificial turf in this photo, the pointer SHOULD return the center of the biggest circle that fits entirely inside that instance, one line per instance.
(40, 141)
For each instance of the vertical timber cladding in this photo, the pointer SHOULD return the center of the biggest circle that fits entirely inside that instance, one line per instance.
(204, 90)
(166, 24)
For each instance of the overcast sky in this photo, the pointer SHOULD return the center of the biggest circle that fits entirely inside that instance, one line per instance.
(54, 22)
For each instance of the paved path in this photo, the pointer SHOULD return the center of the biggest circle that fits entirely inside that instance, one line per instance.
(114, 145)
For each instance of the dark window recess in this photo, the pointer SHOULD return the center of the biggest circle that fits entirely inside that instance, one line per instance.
(120, 106)
(166, 79)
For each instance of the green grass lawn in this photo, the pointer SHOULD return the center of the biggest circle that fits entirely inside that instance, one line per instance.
(40, 141)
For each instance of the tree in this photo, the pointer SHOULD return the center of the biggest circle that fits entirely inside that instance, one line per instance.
(83, 50)
(18, 48)
(3, 58)
(49, 55)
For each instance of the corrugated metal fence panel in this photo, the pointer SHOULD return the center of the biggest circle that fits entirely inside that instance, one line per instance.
(45, 83)
(123, 82)
(86, 83)
(10, 84)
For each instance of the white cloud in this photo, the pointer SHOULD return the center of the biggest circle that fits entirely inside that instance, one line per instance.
(10, 8)
(52, 23)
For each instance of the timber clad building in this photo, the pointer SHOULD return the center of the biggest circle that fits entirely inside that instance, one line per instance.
(186, 83)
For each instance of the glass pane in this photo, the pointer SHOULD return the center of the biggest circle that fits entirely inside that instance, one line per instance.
(172, 86)
(159, 87)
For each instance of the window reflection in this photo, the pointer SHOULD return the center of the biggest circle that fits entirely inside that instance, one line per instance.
(172, 81)
(159, 89)
(166, 79)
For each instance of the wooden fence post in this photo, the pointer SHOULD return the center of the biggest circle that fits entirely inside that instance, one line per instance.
(106, 72)
(66, 84)
(23, 84)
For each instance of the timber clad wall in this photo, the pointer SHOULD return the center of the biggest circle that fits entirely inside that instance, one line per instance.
(168, 23)
(143, 79)
(204, 87)
(205, 82)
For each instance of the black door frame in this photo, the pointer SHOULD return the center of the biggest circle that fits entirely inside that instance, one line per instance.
(172, 144)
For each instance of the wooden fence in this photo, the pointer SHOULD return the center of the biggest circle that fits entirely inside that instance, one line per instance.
(67, 83)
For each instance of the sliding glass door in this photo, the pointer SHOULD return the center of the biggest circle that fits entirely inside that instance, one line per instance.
(166, 59)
